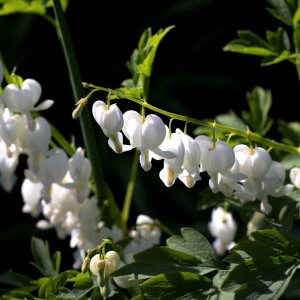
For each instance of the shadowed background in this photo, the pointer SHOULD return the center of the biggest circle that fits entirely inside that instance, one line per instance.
(192, 76)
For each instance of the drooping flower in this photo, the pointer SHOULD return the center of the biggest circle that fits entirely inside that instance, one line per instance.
(23, 99)
(80, 171)
(222, 227)
(254, 162)
(216, 157)
(146, 134)
(145, 235)
(172, 166)
(191, 160)
(110, 119)
(33, 141)
(31, 194)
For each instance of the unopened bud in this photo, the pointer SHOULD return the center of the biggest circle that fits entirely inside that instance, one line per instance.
(85, 264)
(112, 261)
(79, 107)
(96, 264)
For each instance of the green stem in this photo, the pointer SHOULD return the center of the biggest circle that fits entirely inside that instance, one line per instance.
(87, 128)
(234, 131)
(63, 143)
(130, 187)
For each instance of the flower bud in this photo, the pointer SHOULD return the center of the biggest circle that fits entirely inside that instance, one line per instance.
(85, 264)
(112, 261)
(96, 264)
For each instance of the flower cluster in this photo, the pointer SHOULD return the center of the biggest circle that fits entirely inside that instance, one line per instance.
(247, 173)
(55, 185)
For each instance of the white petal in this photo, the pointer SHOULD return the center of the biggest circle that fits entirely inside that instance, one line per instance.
(44, 105)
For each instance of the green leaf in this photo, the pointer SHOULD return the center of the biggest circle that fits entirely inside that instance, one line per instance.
(279, 40)
(15, 279)
(18, 294)
(208, 199)
(249, 43)
(83, 284)
(253, 262)
(231, 119)
(256, 279)
(56, 260)
(55, 284)
(283, 10)
(141, 62)
(275, 59)
(172, 286)
(238, 47)
(166, 260)
(290, 132)
(290, 161)
(194, 243)
(42, 257)
(151, 46)
(259, 101)
(28, 6)
(22, 6)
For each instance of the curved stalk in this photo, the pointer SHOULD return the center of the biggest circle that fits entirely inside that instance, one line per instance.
(254, 137)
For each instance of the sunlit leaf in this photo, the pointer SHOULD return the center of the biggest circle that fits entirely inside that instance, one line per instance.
(172, 286)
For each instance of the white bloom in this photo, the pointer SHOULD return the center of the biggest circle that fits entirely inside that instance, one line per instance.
(80, 171)
(145, 235)
(9, 158)
(147, 230)
(57, 211)
(9, 126)
(295, 177)
(110, 119)
(253, 162)
(191, 161)
(144, 134)
(109, 263)
(31, 194)
(223, 227)
(96, 264)
(224, 184)
(216, 157)
(34, 140)
(172, 166)
(274, 179)
(23, 100)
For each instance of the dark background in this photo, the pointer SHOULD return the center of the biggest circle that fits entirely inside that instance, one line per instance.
(192, 76)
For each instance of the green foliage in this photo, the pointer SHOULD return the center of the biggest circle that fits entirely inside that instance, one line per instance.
(38, 7)
(140, 63)
(290, 132)
(251, 274)
(276, 47)
(287, 11)
(46, 264)
(259, 102)
(177, 285)
(257, 119)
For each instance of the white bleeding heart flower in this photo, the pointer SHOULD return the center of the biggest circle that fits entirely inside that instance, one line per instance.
(36, 140)
(23, 99)
(216, 157)
(254, 162)
(110, 119)
(146, 134)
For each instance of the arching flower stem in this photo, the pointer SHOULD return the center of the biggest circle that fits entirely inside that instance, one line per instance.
(254, 137)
